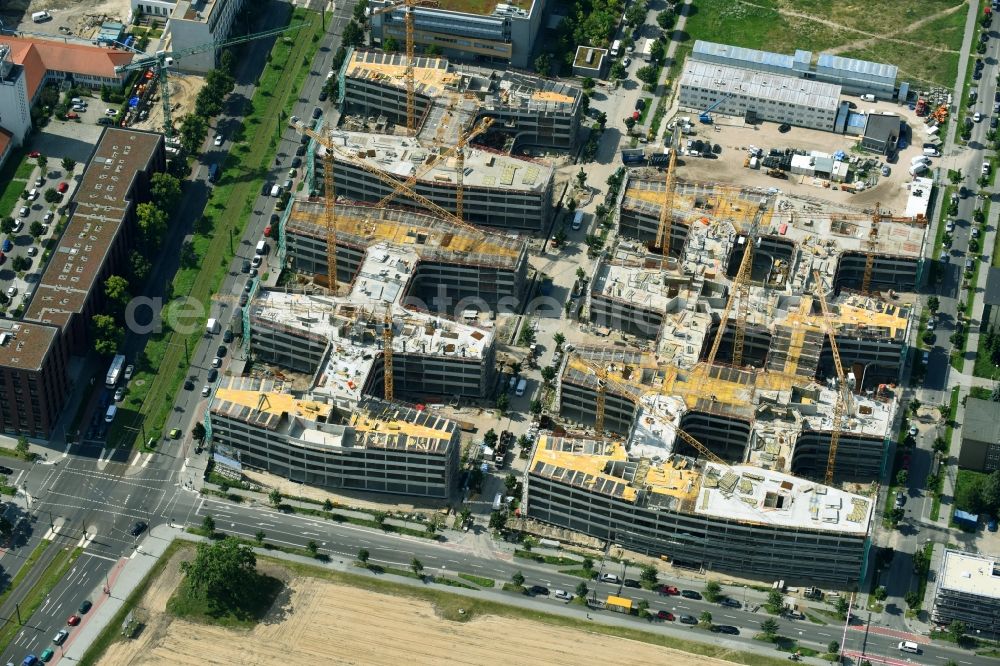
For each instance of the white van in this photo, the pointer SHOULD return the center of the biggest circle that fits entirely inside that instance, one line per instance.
(909, 646)
(616, 48)
(32, 194)
(920, 159)
(521, 386)
(39, 17)
(931, 152)
(868, 98)
(577, 220)
(276, 191)
(261, 248)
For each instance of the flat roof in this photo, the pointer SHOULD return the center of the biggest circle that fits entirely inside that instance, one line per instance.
(982, 420)
(596, 54)
(404, 156)
(638, 285)
(752, 57)
(918, 200)
(977, 575)
(373, 424)
(25, 345)
(99, 207)
(431, 238)
(726, 80)
(741, 492)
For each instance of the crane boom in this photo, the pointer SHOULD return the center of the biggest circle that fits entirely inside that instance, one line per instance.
(388, 179)
(742, 287)
(162, 60)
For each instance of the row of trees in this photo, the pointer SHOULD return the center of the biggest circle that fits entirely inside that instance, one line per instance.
(218, 83)
(108, 328)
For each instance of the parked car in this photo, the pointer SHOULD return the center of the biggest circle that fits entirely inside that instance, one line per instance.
(61, 189)
(539, 589)
(563, 594)
(669, 589)
(213, 374)
(188, 385)
(73, 620)
(784, 127)
(60, 636)
(690, 594)
(317, 112)
(47, 654)
(205, 391)
(725, 629)
(730, 603)
(218, 140)
(664, 615)
(610, 578)
(227, 336)
(129, 371)
(687, 619)
(323, 95)
(119, 394)
(221, 351)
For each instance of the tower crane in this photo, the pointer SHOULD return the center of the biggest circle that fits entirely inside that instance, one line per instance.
(603, 381)
(663, 231)
(161, 61)
(408, 8)
(843, 402)
(459, 152)
(387, 383)
(866, 281)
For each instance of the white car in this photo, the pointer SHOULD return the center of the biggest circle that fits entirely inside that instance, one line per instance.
(564, 595)
(119, 394)
(129, 371)
(12, 291)
(111, 112)
(977, 116)
(913, 431)
(206, 390)
(79, 107)
(986, 167)
(218, 139)
(627, 61)
(216, 362)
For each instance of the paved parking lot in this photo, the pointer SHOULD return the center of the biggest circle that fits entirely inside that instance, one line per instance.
(21, 244)
(71, 138)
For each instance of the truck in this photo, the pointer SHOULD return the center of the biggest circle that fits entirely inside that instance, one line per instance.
(115, 371)
(647, 50)
(616, 48)
(212, 326)
(966, 520)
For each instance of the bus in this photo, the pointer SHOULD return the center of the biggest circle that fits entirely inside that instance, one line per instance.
(213, 173)
(115, 371)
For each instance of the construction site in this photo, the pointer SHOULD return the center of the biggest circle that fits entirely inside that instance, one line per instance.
(741, 423)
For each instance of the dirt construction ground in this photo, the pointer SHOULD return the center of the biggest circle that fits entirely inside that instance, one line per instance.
(321, 622)
(81, 17)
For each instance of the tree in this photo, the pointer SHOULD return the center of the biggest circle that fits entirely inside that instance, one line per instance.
(379, 518)
(193, 129)
(68, 163)
(940, 444)
(957, 630)
(881, 593)
(571, 206)
(208, 525)
(629, 123)
(990, 493)
(6, 527)
(503, 403)
(833, 647)
(222, 573)
(352, 35)
(510, 482)
(587, 83)
(647, 74)
(490, 438)
(51, 196)
(152, 223)
(841, 607)
(775, 602)
(498, 520)
(643, 608)
(657, 51)
(312, 547)
(359, 10)
(259, 537)
(390, 45)
(912, 599)
(901, 477)
(648, 574)
(705, 619)
(587, 564)
(432, 50)
(198, 432)
(666, 19)
(770, 628)
(165, 190)
(363, 556)
(517, 579)
(274, 497)
(602, 119)
(108, 336)
(139, 266)
(7, 225)
(636, 13)
(527, 543)
(116, 291)
(712, 591)
(21, 448)
(36, 229)
(535, 407)
(618, 70)
(543, 64)
(327, 505)
(581, 589)
(548, 374)
(43, 162)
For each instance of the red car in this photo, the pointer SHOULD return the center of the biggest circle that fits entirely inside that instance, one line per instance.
(72, 116)
(3, 258)
(669, 589)
(73, 620)
(34, 153)
(664, 615)
(267, 231)
(62, 188)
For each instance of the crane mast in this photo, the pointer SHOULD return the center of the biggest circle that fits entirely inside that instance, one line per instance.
(387, 383)
(866, 281)
(843, 398)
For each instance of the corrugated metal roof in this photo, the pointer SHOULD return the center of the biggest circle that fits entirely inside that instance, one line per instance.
(762, 85)
(864, 68)
(739, 53)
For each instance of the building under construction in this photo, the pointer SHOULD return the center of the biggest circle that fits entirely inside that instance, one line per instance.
(499, 191)
(788, 234)
(528, 110)
(455, 269)
(375, 446)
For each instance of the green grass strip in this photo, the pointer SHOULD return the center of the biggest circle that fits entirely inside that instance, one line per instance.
(53, 573)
